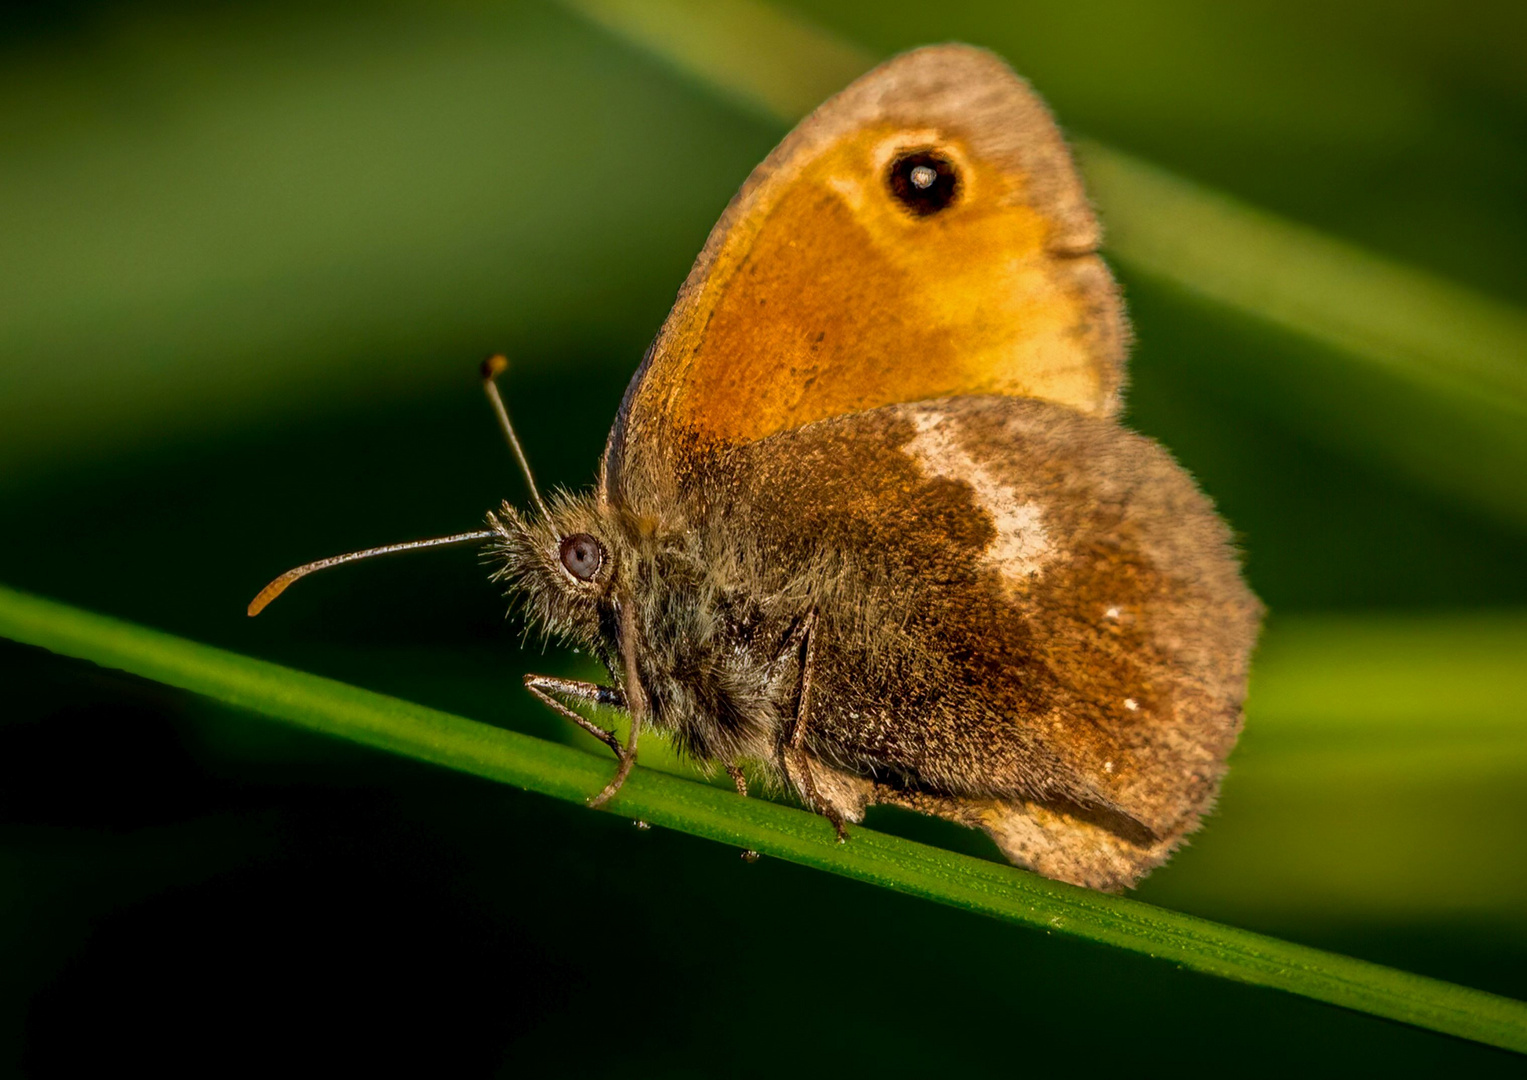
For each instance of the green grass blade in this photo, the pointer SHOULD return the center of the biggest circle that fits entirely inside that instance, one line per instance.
(1459, 358)
(400, 727)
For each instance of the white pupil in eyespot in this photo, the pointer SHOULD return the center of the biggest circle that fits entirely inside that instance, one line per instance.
(922, 176)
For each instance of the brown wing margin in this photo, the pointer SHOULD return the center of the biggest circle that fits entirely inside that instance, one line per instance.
(819, 293)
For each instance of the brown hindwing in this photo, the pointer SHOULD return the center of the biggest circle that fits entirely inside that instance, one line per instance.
(1031, 619)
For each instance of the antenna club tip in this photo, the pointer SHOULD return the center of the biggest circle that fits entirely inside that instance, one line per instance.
(494, 366)
(269, 593)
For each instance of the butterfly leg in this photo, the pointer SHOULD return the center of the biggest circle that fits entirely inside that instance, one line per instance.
(793, 755)
(636, 704)
(623, 770)
(740, 781)
(544, 686)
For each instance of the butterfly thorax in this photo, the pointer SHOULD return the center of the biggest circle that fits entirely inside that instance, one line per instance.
(708, 636)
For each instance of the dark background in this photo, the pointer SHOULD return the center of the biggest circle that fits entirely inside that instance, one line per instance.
(251, 257)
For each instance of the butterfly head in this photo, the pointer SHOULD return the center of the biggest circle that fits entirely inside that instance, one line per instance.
(562, 566)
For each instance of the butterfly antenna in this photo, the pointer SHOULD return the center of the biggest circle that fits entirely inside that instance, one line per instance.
(492, 368)
(277, 587)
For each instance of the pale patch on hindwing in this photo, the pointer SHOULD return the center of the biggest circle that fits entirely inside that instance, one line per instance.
(1020, 547)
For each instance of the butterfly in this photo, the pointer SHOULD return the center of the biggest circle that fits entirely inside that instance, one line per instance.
(867, 519)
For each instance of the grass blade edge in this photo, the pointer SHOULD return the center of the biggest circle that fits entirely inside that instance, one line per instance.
(1003, 892)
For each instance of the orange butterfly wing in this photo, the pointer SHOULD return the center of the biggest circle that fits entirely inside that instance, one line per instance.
(822, 292)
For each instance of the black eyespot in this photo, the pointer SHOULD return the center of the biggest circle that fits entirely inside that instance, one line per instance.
(582, 555)
(924, 181)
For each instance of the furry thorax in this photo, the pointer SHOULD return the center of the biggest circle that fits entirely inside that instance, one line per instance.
(708, 635)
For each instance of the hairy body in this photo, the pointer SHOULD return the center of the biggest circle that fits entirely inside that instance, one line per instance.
(1101, 624)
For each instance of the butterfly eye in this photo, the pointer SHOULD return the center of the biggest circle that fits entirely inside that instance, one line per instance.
(582, 556)
(924, 181)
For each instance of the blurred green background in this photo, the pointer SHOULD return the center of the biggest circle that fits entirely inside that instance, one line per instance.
(249, 259)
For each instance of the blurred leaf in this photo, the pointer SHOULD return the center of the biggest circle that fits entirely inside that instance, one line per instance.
(759, 57)
(961, 881)
(216, 217)
(1462, 356)
(1382, 769)
(1448, 676)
